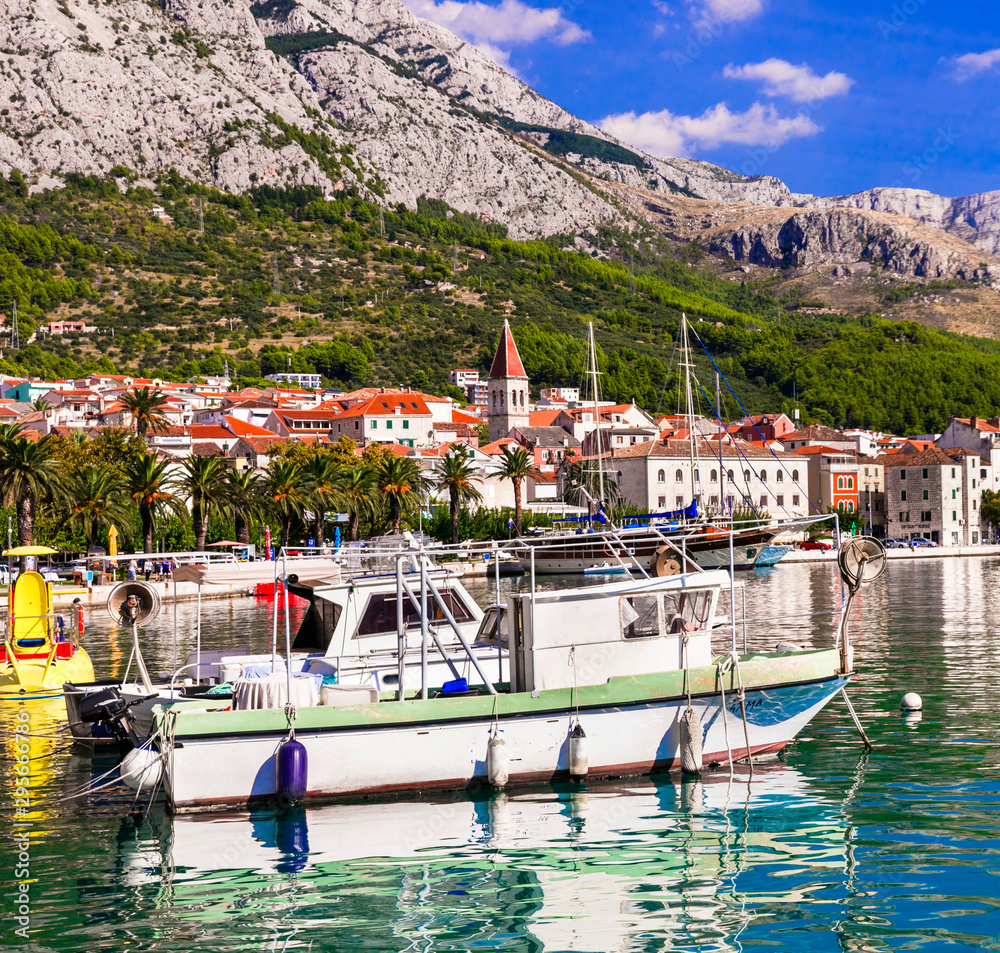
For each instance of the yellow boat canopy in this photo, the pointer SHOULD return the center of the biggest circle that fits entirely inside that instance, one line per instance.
(31, 551)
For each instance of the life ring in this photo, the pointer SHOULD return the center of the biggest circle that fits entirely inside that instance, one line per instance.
(665, 562)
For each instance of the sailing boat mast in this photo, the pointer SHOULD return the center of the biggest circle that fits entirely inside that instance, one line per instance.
(597, 414)
(692, 443)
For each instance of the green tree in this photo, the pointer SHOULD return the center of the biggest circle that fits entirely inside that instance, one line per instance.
(285, 489)
(402, 485)
(359, 492)
(205, 482)
(30, 475)
(145, 405)
(323, 477)
(517, 465)
(456, 473)
(99, 498)
(154, 492)
(244, 501)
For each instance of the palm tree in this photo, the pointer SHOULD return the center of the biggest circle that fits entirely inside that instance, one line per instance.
(402, 484)
(517, 466)
(455, 473)
(286, 491)
(98, 498)
(146, 405)
(244, 501)
(31, 473)
(357, 487)
(205, 480)
(153, 491)
(583, 486)
(324, 478)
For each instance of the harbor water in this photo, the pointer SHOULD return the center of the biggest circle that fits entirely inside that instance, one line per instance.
(827, 848)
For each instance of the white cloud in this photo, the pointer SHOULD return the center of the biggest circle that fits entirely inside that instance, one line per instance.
(710, 13)
(799, 83)
(665, 134)
(971, 64)
(510, 23)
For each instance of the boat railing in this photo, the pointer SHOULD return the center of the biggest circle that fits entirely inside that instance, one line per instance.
(61, 628)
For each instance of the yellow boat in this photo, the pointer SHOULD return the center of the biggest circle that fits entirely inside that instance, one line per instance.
(38, 654)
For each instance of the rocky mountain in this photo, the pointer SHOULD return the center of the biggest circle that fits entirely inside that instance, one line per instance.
(338, 93)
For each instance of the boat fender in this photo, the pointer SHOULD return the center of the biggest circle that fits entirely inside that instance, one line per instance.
(498, 762)
(141, 769)
(578, 752)
(293, 772)
(787, 647)
(691, 753)
(79, 616)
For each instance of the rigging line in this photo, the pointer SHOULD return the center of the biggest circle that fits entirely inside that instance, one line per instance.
(746, 459)
(759, 434)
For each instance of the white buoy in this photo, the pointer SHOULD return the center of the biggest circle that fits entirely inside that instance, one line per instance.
(141, 769)
(690, 732)
(498, 762)
(578, 752)
(911, 702)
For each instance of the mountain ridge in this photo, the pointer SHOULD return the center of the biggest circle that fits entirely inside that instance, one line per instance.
(366, 95)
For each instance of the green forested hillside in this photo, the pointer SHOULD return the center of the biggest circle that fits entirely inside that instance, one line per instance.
(401, 297)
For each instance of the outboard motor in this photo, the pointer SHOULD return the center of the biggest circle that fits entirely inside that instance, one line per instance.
(109, 708)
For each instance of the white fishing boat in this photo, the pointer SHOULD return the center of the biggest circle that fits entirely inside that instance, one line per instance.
(611, 680)
(349, 634)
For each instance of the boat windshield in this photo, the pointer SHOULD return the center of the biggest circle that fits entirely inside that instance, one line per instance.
(380, 614)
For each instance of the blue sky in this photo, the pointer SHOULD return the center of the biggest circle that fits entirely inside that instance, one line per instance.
(831, 97)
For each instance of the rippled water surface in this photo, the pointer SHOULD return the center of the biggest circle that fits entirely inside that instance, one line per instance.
(826, 849)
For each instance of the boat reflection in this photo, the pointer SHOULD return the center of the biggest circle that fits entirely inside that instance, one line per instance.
(613, 866)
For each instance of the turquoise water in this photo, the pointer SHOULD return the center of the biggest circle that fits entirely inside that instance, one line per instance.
(826, 849)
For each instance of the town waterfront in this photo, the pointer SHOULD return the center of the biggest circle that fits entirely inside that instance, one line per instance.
(826, 849)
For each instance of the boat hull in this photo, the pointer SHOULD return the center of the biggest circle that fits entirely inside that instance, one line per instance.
(35, 677)
(576, 554)
(632, 728)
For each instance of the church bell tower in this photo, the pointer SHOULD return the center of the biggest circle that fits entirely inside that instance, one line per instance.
(508, 388)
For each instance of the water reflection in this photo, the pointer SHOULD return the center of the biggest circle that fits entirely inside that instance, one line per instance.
(637, 865)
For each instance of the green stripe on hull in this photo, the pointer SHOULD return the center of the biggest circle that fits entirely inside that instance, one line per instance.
(758, 671)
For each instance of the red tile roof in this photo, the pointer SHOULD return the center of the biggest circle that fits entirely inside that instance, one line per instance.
(385, 404)
(506, 361)
(243, 429)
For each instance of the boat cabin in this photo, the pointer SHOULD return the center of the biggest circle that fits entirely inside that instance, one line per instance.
(585, 636)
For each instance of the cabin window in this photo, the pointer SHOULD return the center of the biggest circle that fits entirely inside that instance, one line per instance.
(380, 614)
(487, 633)
(687, 611)
(641, 617)
(318, 626)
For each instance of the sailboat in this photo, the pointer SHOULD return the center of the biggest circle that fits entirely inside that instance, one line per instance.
(663, 543)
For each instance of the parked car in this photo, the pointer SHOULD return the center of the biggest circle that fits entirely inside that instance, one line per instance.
(895, 544)
(922, 541)
(820, 544)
